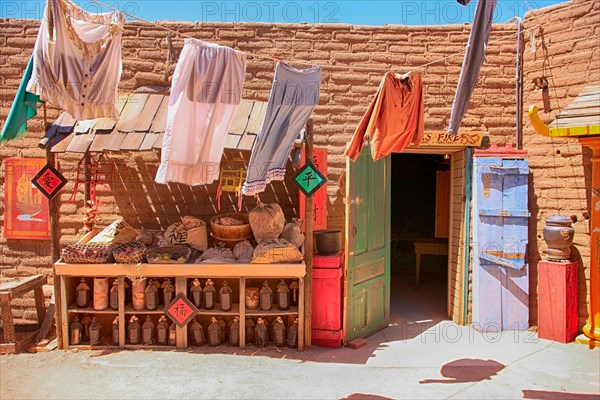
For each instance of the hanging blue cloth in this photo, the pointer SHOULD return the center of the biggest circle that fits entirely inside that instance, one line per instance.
(23, 108)
(474, 56)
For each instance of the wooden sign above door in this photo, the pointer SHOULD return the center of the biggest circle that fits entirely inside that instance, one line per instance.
(441, 138)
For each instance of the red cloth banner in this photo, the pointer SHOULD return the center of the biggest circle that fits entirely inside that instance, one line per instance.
(26, 210)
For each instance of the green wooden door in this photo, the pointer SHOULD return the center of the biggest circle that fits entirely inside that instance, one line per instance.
(368, 245)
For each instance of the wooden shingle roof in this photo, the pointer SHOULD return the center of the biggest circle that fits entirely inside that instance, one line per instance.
(140, 126)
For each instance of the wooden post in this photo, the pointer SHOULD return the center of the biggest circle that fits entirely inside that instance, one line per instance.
(121, 315)
(242, 312)
(55, 254)
(592, 328)
(308, 251)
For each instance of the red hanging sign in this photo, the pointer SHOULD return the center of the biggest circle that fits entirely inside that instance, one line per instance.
(181, 310)
(320, 197)
(26, 210)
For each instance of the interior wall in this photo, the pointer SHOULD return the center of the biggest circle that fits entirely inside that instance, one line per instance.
(456, 265)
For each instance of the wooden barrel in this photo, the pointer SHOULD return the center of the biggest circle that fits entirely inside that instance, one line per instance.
(230, 235)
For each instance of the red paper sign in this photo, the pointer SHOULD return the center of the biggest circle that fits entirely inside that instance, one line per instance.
(181, 310)
(49, 181)
(320, 197)
(26, 210)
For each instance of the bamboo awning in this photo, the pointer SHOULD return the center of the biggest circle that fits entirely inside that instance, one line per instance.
(140, 127)
(581, 118)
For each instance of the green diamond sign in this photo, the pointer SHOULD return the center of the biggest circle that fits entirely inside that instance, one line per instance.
(309, 179)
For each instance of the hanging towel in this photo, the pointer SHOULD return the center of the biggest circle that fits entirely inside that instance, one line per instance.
(474, 56)
(294, 95)
(394, 119)
(77, 60)
(205, 92)
(24, 107)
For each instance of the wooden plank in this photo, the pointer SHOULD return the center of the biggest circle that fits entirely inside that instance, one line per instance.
(84, 126)
(159, 141)
(301, 320)
(132, 141)
(232, 141)
(308, 247)
(160, 118)
(80, 143)
(257, 117)
(19, 287)
(149, 141)
(241, 118)
(265, 271)
(101, 138)
(242, 297)
(246, 142)
(108, 124)
(63, 329)
(131, 112)
(8, 328)
(67, 123)
(38, 293)
(45, 327)
(114, 140)
(122, 321)
(580, 112)
(147, 115)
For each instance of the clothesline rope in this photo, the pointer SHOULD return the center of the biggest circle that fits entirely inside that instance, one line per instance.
(304, 62)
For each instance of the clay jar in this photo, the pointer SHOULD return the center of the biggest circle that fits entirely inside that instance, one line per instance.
(138, 288)
(100, 294)
(558, 235)
(252, 298)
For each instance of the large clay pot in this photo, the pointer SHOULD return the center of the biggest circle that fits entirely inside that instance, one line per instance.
(328, 241)
(558, 235)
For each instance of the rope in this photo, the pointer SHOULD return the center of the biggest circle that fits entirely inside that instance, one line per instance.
(304, 62)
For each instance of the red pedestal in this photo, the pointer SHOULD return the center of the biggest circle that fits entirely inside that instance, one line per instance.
(557, 301)
(327, 291)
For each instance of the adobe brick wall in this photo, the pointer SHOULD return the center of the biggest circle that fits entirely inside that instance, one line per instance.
(345, 95)
(567, 52)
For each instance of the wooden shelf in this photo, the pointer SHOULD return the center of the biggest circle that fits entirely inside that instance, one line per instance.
(130, 310)
(89, 310)
(151, 346)
(265, 271)
(235, 310)
(70, 274)
(274, 311)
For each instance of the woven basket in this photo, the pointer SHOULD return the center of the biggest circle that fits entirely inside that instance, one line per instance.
(92, 253)
(130, 253)
(230, 235)
(156, 255)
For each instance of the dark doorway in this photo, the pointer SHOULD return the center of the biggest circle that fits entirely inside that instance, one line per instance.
(420, 212)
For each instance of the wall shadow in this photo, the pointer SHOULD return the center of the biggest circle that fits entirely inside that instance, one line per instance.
(467, 370)
(364, 396)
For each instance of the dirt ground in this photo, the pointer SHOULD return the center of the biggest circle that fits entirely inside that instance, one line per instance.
(433, 364)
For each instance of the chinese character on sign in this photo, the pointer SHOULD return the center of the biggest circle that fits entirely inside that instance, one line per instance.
(309, 179)
(180, 310)
(49, 181)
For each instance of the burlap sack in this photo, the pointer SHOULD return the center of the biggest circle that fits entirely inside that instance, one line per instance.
(267, 222)
(116, 233)
(191, 231)
(243, 252)
(276, 251)
(292, 233)
(217, 255)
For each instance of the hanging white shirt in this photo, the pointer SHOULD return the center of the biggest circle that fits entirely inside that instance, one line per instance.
(205, 92)
(77, 60)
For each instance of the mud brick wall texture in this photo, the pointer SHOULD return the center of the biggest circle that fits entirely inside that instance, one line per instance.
(354, 59)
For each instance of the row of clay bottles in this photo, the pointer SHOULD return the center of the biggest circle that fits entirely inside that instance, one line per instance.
(148, 295)
(207, 297)
(100, 298)
(259, 333)
(88, 330)
(147, 333)
(218, 332)
(265, 302)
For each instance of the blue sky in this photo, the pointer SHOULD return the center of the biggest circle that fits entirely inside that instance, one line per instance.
(402, 12)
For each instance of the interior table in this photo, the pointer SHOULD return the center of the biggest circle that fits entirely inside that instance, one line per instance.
(431, 246)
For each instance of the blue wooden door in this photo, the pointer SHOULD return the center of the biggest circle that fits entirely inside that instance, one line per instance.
(500, 228)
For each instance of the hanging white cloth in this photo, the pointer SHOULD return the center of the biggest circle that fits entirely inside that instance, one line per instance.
(77, 60)
(205, 92)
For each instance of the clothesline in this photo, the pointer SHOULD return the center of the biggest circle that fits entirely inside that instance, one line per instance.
(304, 62)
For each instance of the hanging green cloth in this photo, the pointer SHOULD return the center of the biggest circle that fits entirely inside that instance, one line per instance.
(23, 108)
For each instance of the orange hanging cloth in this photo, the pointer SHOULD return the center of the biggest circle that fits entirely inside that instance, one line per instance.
(394, 118)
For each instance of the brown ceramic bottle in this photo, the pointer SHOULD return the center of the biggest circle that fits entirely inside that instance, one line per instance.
(114, 295)
(172, 334)
(225, 297)
(262, 333)
(85, 322)
(209, 293)
(266, 297)
(115, 331)
(278, 335)
(168, 292)
(162, 331)
(197, 333)
(234, 332)
(283, 295)
(214, 333)
(148, 331)
(134, 329)
(82, 294)
(196, 293)
(294, 293)
(151, 296)
(95, 332)
(75, 331)
(250, 333)
(292, 336)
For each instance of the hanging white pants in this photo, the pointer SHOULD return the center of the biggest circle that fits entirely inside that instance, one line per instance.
(205, 92)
